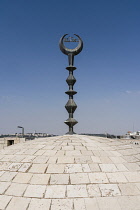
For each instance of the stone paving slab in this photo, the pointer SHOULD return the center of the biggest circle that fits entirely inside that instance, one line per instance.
(70, 173)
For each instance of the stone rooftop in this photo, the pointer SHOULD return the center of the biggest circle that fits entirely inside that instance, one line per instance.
(70, 173)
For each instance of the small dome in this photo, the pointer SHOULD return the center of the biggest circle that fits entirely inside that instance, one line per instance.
(70, 172)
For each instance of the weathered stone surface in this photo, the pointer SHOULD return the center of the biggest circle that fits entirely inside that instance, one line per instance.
(129, 202)
(41, 179)
(16, 189)
(35, 191)
(108, 167)
(109, 190)
(73, 168)
(38, 168)
(93, 190)
(129, 189)
(108, 203)
(76, 191)
(70, 173)
(39, 204)
(79, 204)
(4, 200)
(18, 203)
(90, 203)
(4, 186)
(116, 177)
(8, 176)
(23, 177)
(79, 178)
(62, 204)
(65, 160)
(55, 191)
(59, 179)
(98, 178)
(55, 168)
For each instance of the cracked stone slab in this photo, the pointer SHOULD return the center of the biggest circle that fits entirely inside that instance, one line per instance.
(109, 190)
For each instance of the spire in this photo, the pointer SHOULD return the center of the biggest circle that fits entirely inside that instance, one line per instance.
(71, 105)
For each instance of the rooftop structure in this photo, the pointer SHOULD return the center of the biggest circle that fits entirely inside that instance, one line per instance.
(132, 135)
(71, 172)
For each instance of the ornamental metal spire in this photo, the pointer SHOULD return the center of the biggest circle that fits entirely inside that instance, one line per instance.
(71, 105)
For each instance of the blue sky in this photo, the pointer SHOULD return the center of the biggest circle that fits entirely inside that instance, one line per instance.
(32, 67)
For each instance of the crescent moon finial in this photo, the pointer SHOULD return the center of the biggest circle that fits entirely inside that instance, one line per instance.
(66, 50)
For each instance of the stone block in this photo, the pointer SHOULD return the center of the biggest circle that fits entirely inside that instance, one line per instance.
(39, 204)
(55, 168)
(79, 178)
(18, 203)
(76, 191)
(109, 190)
(93, 190)
(98, 177)
(4, 200)
(41, 179)
(62, 204)
(55, 191)
(22, 178)
(59, 179)
(73, 168)
(35, 191)
(38, 168)
(16, 189)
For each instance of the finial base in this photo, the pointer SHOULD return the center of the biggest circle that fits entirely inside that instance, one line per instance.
(70, 133)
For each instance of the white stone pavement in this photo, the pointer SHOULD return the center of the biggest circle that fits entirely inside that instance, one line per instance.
(70, 173)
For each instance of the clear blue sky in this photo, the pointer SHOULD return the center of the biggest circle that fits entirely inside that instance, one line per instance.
(32, 67)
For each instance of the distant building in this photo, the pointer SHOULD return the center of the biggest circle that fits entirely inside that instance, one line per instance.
(132, 135)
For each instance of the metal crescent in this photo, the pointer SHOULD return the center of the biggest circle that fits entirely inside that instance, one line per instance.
(74, 51)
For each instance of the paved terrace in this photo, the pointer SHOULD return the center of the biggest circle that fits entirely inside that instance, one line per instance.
(70, 173)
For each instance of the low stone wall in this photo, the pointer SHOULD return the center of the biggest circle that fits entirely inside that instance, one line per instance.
(7, 141)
